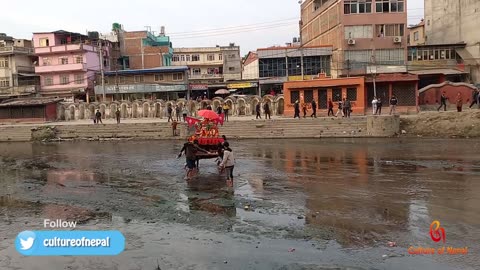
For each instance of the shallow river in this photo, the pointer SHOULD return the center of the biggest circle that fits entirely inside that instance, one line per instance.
(296, 204)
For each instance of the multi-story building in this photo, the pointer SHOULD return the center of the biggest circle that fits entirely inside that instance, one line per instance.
(167, 83)
(452, 22)
(209, 67)
(68, 63)
(277, 65)
(368, 38)
(17, 72)
(250, 67)
(144, 50)
(416, 34)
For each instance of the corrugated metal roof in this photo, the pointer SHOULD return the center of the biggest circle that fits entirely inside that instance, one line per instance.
(445, 71)
(150, 70)
(29, 102)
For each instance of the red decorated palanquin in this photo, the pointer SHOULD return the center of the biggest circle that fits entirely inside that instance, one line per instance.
(208, 137)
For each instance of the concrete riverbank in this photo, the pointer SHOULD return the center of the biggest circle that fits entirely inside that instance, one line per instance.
(238, 128)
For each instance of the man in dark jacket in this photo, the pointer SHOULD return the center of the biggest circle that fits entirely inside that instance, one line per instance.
(443, 102)
(347, 107)
(266, 109)
(379, 106)
(297, 110)
(393, 104)
(474, 97)
(258, 110)
(314, 109)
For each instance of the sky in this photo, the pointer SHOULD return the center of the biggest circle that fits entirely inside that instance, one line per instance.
(190, 23)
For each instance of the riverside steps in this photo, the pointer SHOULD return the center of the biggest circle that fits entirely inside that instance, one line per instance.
(237, 128)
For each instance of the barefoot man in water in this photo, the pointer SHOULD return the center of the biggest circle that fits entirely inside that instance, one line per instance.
(191, 150)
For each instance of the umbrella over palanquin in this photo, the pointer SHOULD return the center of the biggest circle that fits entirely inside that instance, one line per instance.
(222, 92)
(208, 114)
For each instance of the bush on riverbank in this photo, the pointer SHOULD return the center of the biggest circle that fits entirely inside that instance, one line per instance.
(443, 124)
(46, 133)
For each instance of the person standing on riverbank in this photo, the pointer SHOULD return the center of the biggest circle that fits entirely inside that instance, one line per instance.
(258, 111)
(296, 108)
(174, 127)
(178, 113)
(340, 109)
(347, 106)
(393, 104)
(98, 117)
(314, 109)
(185, 114)
(330, 107)
(169, 112)
(374, 105)
(226, 109)
(228, 162)
(379, 106)
(459, 102)
(266, 109)
(475, 95)
(304, 107)
(443, 102)
(117, 115)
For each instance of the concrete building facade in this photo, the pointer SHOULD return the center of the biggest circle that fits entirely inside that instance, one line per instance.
(362, 32)
(416, 34)
(250, 67)
(450, 22)
(17, 72)
(67, 64)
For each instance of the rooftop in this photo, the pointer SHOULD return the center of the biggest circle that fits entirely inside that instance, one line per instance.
(29, 102)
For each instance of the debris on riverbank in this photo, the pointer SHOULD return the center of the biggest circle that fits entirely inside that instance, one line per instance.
(443, 124)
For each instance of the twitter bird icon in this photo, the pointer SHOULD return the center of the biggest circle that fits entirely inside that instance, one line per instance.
(25, 241)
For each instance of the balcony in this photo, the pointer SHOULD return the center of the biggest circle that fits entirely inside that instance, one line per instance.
(205, 76)
(15, 50)
(61, 68)
(65, 48)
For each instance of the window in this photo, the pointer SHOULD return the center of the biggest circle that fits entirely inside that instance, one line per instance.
(48, 81)
(44, 42)
(389, 30)
(358, 31)
(139, 79)
(231, 56)
(79, 79)
(220, 57)
(294, 96)
(352, 94)
(5, 82)
(159, 77)
(64, 79)
(177, 76)
(336, 94)
(182, 58)
(308, 96)
(357, 6)
(195, 57)
(212, 71)
(387, 6)
(176, 58)
(46, 61)
(231, 69)
(3, 62)
(188, 58)
(63, 61)
(415, 36)
(196, 72)
(211, 57)
(78, 59)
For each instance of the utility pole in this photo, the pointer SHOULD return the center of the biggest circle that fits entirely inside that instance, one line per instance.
(102, 70)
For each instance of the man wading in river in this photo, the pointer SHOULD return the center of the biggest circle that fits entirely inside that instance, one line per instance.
(191, 150)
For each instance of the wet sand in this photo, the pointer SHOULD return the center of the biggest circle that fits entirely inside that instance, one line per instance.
(312, 204)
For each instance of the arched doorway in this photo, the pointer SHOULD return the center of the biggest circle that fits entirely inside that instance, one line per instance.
(134, 110)
(124, 111)
(146, 110)
(280, 106)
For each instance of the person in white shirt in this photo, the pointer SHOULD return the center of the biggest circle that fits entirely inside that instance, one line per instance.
(228, 162)
(374, 105)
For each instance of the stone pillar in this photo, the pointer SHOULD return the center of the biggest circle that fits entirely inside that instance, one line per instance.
(383, 126)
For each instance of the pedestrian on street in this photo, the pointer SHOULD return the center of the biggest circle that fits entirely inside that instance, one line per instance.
(98, 116)
(219, 110)
(226, 109)
(374, 105)
(474, 98)
(228, 162)
(330, 107)
(258, 110)
(185, 113)
(169, 112)
(178, 113)
(459, 102)
(393, 104)
(296, 108)
(443, 102)
(174, 127)
(379, 106)
(348, 107)
(304, 108)
(314, 109)
(340, 109)
(117, 115)
(266, 109)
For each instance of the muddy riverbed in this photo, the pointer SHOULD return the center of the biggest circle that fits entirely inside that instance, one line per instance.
(296, 204)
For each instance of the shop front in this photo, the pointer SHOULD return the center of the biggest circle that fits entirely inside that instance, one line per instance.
(133, 92)
(243, 88)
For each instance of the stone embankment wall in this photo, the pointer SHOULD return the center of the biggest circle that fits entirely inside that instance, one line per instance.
(158, 108)
(273, 129)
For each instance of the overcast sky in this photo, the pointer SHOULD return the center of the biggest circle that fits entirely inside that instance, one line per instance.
(276, 21)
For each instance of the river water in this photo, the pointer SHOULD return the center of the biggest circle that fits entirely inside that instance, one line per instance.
(296, 204)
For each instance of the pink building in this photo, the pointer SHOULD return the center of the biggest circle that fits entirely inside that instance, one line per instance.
(68, 63)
